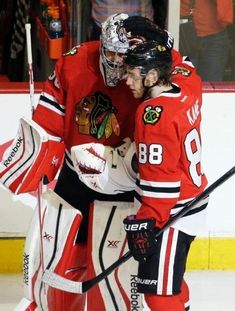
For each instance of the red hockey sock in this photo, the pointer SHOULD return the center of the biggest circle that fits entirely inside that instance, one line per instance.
(164, 303)
(184, 295)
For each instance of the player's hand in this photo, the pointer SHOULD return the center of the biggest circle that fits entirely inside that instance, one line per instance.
(141, 237)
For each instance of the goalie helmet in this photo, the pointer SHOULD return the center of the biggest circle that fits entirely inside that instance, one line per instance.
(113, 39)
(150, 55)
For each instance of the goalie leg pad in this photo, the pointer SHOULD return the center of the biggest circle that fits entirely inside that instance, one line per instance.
(60, 224)
(106, 243)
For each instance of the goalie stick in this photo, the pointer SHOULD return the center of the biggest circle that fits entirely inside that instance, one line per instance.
(54, 280)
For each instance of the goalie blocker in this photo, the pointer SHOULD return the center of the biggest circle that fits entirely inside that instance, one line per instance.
(32, 155)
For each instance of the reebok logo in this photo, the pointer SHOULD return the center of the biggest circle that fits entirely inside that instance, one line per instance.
(135, 296)
(13, 152)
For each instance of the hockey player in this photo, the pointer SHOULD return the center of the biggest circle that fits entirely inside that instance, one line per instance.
(168, 144)
(86, 100)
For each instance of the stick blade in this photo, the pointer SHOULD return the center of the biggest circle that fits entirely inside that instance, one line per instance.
(56, 281)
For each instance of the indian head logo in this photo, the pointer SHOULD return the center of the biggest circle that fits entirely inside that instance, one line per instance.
(96, 116)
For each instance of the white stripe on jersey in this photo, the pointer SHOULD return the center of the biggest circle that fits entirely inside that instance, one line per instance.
(159, 184)
(155, 189)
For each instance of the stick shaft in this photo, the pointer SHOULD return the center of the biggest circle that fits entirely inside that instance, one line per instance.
(30, 64)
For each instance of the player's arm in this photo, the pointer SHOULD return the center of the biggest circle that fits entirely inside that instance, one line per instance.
(50, 111)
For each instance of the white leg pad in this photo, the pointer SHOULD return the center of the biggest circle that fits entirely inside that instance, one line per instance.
(107, 243)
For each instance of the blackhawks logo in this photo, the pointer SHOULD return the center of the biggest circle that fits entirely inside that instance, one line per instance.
(152, 114)
(73, 51)
(96, 116)
(181, 70)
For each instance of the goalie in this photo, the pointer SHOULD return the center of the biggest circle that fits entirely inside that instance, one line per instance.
(72, 112)
(168, 144)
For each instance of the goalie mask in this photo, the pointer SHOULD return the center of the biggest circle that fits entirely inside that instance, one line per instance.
(113, 39)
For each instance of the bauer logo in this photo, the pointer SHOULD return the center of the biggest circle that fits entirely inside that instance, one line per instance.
(26, 269)
(135, 296)
(13, 152)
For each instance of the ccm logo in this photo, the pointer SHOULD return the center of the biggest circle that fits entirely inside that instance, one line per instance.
(136, 227)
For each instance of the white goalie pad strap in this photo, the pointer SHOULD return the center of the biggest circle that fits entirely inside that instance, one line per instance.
(31, 156)
(103, 168)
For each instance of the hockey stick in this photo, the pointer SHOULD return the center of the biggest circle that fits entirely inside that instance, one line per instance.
(30, 64)
(41, 186)
(54, 280)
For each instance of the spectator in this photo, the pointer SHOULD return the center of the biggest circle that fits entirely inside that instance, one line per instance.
(211, 18)
(102, 9)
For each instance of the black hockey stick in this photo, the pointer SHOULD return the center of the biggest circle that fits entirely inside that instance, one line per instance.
(54, 280)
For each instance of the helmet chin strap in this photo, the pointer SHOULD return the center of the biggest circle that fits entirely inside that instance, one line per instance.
(147, 89)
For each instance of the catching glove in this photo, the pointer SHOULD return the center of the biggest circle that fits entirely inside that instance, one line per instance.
(141, 237)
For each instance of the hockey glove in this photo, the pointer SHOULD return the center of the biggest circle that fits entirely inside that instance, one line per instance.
(140, 237)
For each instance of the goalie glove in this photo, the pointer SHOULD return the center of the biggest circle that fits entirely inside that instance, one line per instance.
(141, 237)
(105, 169)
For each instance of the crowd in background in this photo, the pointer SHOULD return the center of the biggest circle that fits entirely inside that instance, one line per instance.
(213, 21)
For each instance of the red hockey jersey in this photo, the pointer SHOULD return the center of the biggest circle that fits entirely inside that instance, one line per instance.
(77, 106)
(168, 142)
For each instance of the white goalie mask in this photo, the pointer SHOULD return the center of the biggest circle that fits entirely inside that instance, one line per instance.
(113, 39)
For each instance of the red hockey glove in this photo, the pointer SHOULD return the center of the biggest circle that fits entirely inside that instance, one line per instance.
(140, 237)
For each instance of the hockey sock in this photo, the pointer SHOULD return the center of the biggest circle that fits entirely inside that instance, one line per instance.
(184, 295)
(164, 303)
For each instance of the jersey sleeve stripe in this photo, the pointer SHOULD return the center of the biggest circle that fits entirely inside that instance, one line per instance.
(51, 103)
(144, 182)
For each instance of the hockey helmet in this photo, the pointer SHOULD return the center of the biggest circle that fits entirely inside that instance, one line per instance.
(150, 55)
(142, 27)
